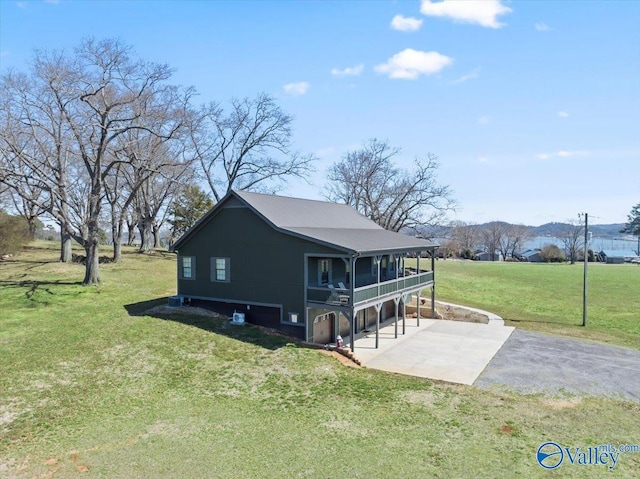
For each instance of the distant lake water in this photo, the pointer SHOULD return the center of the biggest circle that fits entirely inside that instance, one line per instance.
(596, 244)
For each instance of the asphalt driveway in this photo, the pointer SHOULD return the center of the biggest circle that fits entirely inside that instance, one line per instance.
(540, 363)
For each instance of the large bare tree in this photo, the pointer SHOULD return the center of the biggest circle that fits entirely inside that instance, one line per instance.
(147, 161)
(491, 234)
(572, 238)
(369, 181)
(88, 100)
(512, 239)
(465, 235)
(247, 148)
(36, 148)
(152, 201)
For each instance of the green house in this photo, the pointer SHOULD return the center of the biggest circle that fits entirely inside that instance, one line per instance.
(312, 269)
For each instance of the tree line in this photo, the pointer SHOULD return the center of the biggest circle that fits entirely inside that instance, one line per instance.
(97, 136)
(501, 239)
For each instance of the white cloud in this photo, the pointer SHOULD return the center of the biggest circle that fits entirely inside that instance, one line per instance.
(406, 24)
(296, 89)
(541, 27)
(483, 159)
(348, 72)
(484, 120)
(469, 76)
(409, 64)
(563, 114)
(485, 12)
(52, 1)
(569, 154)
(563, 154)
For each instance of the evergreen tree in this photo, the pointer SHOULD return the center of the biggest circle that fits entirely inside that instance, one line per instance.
(633, 224)
(187, 209)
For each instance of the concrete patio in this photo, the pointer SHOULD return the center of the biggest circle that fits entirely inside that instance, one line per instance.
(452, 351)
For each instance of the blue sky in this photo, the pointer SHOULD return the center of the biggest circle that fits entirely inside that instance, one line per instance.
(533, 107)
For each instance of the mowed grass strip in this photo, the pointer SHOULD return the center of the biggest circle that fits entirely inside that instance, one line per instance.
(90, 386)
(548, 297)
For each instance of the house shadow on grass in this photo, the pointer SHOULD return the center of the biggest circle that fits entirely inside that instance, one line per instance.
(211, 321)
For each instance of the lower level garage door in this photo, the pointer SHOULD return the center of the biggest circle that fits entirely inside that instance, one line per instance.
(323, 327)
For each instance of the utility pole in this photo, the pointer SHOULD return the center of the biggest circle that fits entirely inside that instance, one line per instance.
(586, 262)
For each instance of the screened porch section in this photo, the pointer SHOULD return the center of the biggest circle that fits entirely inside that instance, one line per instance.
(329, 279)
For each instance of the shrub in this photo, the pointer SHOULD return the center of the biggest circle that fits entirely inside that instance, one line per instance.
(552, 254)
(14, 233)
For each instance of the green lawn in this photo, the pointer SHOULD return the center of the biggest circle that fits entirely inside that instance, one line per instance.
(548, 297)
(90, 388)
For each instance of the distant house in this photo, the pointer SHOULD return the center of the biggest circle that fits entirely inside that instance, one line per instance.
(313, 269)
(532, 256)
(486, 256)
(617, 256)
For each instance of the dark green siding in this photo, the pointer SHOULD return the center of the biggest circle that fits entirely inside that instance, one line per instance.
(267, 266)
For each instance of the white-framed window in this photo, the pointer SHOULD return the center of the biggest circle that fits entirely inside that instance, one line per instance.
(188, 267)
(324, 271)
(221, 270)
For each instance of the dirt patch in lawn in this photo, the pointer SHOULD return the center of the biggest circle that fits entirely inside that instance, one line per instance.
(342, 359)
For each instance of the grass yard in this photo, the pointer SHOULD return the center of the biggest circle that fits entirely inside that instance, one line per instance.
(92, 387)
(548, 297)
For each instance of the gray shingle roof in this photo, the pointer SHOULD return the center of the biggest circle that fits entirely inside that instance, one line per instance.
(333, 224)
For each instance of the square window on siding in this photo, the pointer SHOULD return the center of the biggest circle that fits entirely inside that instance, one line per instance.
(188, 267)
(221, 270)
(293, 317)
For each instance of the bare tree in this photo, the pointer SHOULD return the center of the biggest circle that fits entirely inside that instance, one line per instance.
(466, 235)
(146, 159)
(95, 96)
(512, 238)
(246, 149)
(572, 238)
(491, 235)
(152, 201)
(368, 180)
(36, 148)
